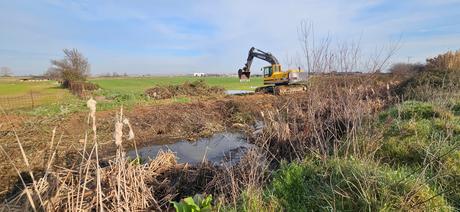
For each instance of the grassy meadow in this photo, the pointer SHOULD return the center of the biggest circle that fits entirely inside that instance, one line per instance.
(15, 94)
(14, 87)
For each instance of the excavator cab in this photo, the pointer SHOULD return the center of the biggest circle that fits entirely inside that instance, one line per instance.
(268, 71)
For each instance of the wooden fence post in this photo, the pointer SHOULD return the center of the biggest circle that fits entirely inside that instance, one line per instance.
(32, 98)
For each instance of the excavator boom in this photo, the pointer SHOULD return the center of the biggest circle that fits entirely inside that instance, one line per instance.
(245, 72)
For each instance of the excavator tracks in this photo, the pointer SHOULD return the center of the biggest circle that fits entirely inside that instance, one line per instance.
(282, 89)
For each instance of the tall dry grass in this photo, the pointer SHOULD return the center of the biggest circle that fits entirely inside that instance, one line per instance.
(124, 184)
(92, 184)
(327, 118)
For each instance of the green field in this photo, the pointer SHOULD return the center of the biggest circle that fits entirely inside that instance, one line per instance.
(14, 87)
(126, 91)
(15, 94)
(140, 84)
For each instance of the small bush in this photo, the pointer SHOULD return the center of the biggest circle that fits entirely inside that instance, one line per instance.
(77, 87)
(351, 185)
(196, 203)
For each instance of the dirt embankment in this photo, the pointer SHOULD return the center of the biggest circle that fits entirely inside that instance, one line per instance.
(151, 124)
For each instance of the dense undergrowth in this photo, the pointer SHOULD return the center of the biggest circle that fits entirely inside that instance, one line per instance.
(340, 184)
(415, 168)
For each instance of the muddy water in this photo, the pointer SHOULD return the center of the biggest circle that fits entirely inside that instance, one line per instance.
(221, 148)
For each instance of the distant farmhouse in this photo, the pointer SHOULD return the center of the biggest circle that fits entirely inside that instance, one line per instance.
(199, 74)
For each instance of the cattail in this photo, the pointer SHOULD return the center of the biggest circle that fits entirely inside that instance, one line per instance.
(91, 104)
(118, 134)
(131, 133)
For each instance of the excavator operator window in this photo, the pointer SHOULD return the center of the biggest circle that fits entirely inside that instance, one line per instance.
(267, 71)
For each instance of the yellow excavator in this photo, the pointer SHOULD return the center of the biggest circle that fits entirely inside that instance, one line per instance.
(276, 80)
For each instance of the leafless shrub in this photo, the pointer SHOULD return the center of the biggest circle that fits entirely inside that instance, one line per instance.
(324, 55)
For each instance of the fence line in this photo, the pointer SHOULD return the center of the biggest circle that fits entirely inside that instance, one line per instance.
(29, 100)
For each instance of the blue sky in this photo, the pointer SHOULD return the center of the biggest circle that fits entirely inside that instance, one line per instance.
(179, 37)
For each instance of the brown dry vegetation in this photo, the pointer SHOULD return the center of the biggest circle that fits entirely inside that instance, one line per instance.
(151, 124)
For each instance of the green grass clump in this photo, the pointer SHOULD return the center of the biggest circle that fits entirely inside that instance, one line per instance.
(456, 107)
(425, 143)
(351, 185)
(255, 200)
(414, 131)
(411, 110)
(448, 178)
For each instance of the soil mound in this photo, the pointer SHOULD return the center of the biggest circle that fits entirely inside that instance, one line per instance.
(196, 88)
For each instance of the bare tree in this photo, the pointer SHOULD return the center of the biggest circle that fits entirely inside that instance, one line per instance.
(53, 74)
(74, 67)
(5, 71)
(324, 55)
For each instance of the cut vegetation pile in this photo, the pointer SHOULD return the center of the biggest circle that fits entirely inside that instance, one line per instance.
(196, 88)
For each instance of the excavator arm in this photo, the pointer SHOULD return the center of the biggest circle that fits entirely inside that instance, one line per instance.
(245, 72)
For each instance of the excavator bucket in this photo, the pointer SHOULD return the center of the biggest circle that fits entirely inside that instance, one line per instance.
(243, 75)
